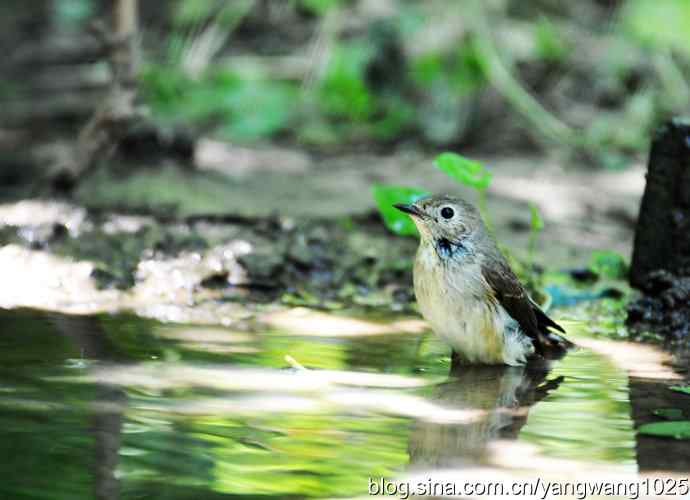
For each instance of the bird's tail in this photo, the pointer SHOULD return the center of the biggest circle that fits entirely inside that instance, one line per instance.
(549, 343)
(552, 345)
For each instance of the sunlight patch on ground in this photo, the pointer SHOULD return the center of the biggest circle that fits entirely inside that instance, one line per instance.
(639, 360)
(33, 278)
(40, 212)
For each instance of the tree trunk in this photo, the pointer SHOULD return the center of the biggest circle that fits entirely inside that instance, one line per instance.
(662, 238)
(124, 30)
(118, 110)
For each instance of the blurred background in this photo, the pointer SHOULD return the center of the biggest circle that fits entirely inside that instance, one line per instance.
(256, 107)
(334, 75)
(206, 166)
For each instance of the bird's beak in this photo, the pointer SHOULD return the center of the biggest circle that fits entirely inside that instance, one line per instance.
(411, 209)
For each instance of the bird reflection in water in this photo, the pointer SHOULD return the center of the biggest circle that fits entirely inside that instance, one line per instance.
(503, 393)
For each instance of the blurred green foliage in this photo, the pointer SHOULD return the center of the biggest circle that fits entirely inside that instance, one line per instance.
(536, 224)
(342, 91)
(70, 13)
(196, 14)
(658, 24)
(549, 42)
(318, 7)
(608, 264)
(386, 79)
(238, 108)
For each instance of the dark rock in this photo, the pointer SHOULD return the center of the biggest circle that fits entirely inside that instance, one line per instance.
(147, 142)
(63, 182)
(16, 169)
(403, 295)
(107, 279)
(664, 308)
(583, 275)
(678, 295)
(262, 267)
(660, 265)
(611, 293)
(38, 237)
(215, 281)
(662, 238)
(518, 225)
(657, 281)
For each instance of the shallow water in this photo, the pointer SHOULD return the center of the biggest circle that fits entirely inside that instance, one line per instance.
(123, 407)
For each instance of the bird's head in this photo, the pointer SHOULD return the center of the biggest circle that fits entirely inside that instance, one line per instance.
(453, 226)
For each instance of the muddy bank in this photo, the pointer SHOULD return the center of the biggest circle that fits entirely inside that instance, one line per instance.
(60, 256)
(663, 307)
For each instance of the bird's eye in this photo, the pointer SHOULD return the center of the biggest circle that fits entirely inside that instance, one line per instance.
(447, 213)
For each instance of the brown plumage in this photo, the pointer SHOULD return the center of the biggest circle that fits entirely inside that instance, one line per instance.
(510, 293)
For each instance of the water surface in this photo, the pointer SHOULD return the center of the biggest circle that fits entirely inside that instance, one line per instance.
(123, 407)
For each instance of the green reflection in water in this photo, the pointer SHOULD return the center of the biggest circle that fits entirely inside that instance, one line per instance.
(312, 455)
(588, 417)
(54, 436)
(44, 440)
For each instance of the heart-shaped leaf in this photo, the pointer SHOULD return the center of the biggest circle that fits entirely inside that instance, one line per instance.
(468, 172)
(386, 196)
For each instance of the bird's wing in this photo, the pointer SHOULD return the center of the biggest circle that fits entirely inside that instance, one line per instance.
(511, 295)
(544, 320)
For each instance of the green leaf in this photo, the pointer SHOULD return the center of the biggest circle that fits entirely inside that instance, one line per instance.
(319, 7)
(681, 388)
(643, 20)
(535, 220)
(608, 263)
(468, 172)
(549, 41)
(669, 413)
(679, 429)
(395, 220)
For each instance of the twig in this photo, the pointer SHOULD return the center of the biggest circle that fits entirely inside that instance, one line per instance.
(517, 96)
(295, 364)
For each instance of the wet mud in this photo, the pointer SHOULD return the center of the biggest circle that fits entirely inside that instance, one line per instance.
(664, 307)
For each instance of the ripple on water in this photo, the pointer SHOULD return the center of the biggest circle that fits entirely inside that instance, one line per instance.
(184, 411)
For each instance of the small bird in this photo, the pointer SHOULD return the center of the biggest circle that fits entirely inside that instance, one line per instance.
(469, 294)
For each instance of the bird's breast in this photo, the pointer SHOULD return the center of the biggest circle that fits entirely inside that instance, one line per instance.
(460, 309)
